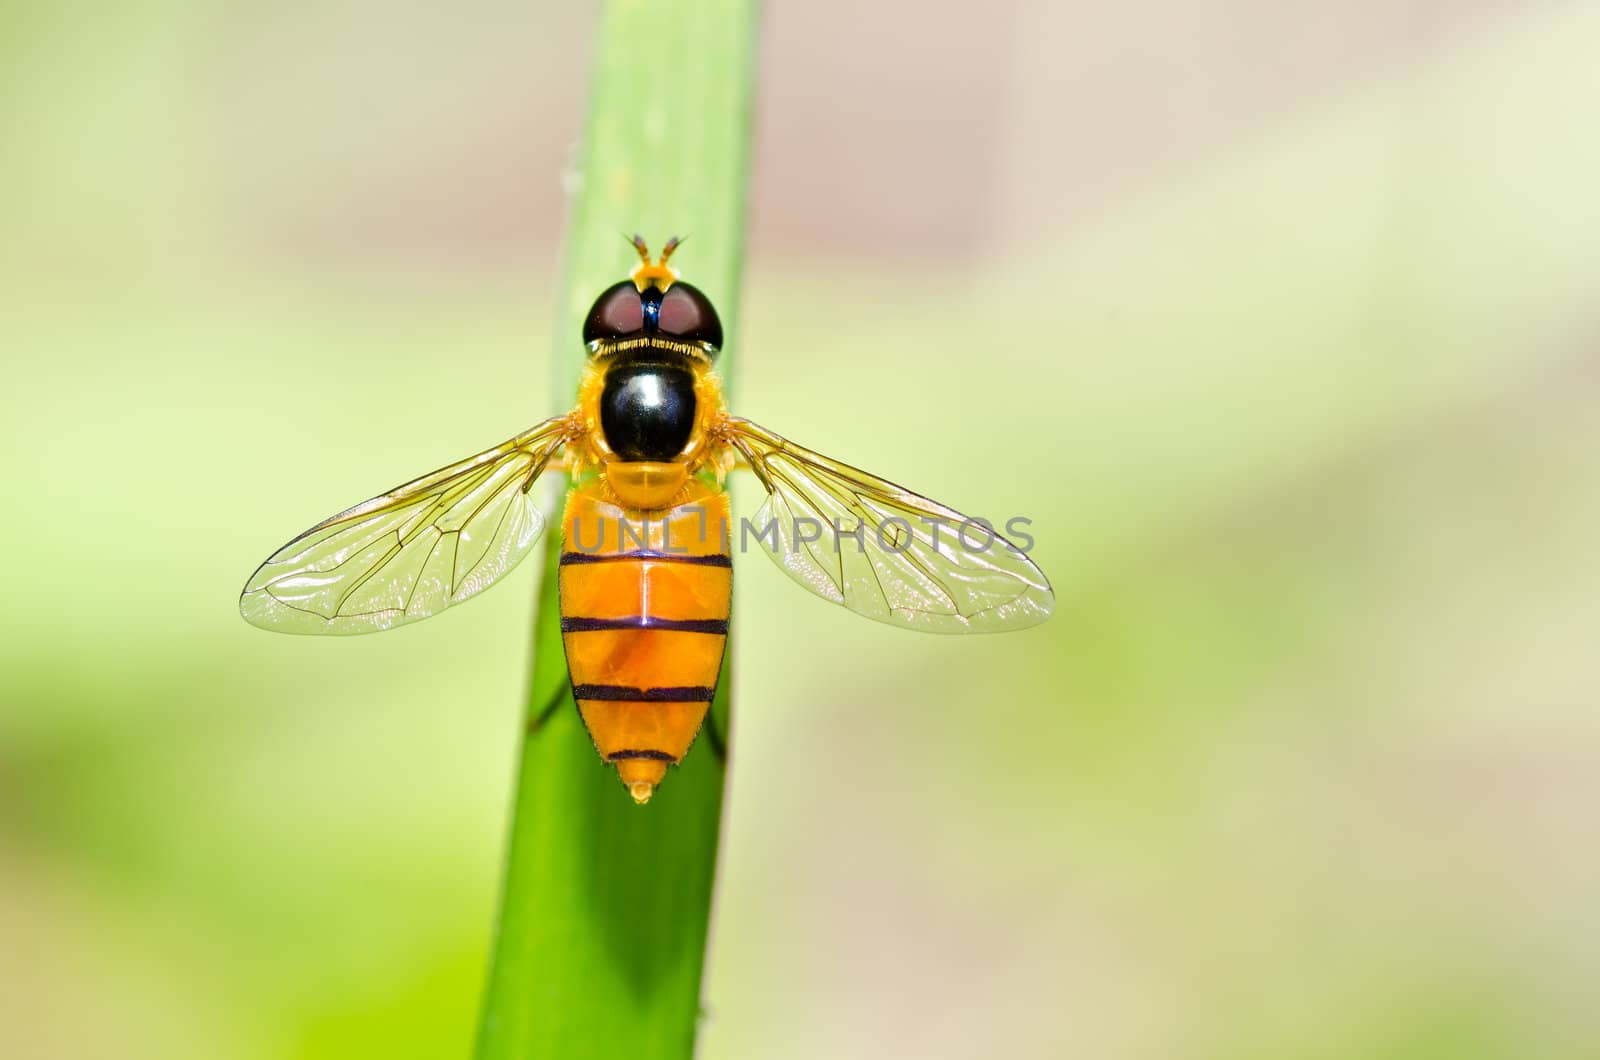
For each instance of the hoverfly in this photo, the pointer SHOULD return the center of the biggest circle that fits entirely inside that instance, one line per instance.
(645, 573)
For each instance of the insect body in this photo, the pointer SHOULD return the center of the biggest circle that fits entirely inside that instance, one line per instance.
(645, 572)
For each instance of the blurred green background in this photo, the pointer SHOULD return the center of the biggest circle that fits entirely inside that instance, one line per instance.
(1279, 324)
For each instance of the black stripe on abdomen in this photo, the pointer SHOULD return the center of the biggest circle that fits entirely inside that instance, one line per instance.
(713, 560)
(658, 756)
(629, 694)
(681, 625)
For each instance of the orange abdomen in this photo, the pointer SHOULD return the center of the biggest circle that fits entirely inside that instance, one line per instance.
(644, 620)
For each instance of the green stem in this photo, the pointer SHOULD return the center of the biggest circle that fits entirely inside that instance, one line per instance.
(606, 905)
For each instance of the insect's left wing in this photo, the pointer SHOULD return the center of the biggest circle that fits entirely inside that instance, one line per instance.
(881, 550)
(412, 552)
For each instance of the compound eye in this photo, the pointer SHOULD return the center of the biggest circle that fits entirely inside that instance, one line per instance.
(687, 314)
(617, 313)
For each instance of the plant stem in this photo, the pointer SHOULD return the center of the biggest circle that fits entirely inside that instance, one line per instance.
(606, 905)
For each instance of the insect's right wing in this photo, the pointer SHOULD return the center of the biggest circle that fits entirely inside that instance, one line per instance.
(883, 551)
(413, 551)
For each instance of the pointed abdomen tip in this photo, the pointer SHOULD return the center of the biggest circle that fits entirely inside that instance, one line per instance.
(640, 776)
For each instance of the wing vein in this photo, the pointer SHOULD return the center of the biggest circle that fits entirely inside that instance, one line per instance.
(327, 579)
(916, 578)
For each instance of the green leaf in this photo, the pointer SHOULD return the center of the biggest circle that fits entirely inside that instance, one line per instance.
(606, 904)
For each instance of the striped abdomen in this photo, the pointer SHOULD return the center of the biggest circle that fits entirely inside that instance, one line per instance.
(644, 618)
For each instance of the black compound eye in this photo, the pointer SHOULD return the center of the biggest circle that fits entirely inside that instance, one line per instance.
(618, 312)
(687, 314)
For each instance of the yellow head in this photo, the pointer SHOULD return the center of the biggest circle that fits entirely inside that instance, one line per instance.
(658, 273)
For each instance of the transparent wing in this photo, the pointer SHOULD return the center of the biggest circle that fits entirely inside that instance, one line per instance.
(411, 552)
(883, 551)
